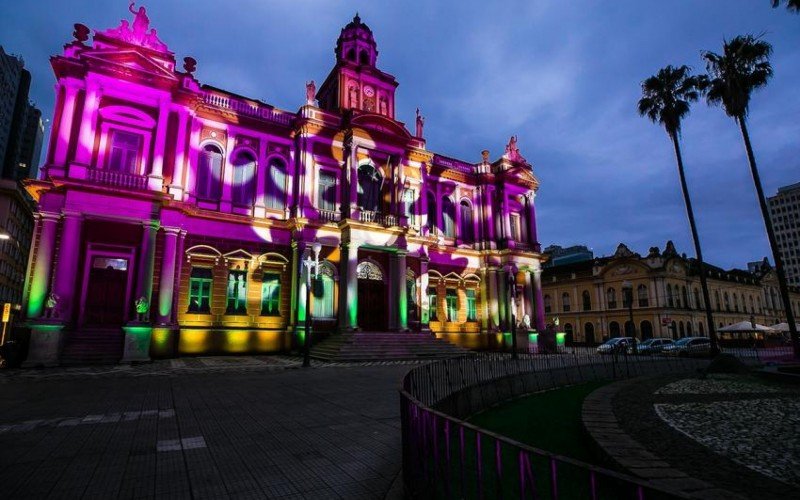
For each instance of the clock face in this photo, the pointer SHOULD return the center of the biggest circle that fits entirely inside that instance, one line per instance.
(369, 92)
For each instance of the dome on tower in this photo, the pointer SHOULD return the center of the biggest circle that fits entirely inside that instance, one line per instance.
(356, 44)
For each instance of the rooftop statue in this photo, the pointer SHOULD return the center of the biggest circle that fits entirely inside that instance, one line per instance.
(311, 93)
(512, 151)
(138, 34)
(420, 124)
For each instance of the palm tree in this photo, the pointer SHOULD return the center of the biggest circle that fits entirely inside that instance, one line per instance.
(665, 100)
(742, 68)
(790, 4)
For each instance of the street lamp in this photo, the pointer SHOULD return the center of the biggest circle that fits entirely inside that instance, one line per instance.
(312, 266)
(512, 299)
(627, 288)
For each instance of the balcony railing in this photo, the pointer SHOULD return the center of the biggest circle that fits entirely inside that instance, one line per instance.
(329, 215)
(386, 220)
(246, 108)
(118, 179)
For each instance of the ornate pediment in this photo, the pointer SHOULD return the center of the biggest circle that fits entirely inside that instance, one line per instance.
(130, 61)
(382, 124)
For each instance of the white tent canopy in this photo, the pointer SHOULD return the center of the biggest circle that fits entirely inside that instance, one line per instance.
(782, 327)
(744, 327)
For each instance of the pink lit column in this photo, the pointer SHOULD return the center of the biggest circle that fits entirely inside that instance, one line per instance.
(539, 298)
(40, 277)
(348, 287)
(65, 126)
(167, 278)
(144, 265)
(530, 301)
(177, 188)
(533, 237)
(91, 103)
(424, 280)
(68, 253)
(156, 176)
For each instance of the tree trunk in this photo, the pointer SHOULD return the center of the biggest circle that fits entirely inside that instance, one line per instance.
(776, 255)
(712, 331)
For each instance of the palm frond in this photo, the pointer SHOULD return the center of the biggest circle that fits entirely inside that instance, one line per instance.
(667, 96)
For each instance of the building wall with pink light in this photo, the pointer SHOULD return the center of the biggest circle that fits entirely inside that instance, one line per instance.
(177, 214)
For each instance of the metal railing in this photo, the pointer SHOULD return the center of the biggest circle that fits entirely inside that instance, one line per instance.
(118, 179)
(447, 457)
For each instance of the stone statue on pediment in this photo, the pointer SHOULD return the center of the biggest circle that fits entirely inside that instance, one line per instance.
(311, 92)
(512, 151)
(138, 32)
(140, 23)
(420, 124)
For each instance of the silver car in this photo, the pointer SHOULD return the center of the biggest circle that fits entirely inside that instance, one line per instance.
(689, 346)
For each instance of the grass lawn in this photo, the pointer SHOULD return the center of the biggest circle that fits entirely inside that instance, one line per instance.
(549, 420)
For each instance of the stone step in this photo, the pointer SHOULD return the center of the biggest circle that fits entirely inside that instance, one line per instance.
(383, 346)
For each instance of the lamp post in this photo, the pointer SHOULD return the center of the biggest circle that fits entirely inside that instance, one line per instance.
(627, 287)
(512, 300)
(312, 266)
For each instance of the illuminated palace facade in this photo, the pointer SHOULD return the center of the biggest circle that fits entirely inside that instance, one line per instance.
(178, 215)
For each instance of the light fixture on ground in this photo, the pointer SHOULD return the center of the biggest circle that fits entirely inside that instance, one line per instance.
(312, 267)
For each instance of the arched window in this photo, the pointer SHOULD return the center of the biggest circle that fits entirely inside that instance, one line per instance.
(701, 329)
(569, 337)
(697, 302)
(369, 187)
(324, 291)
(752, 305)
(629, 329)
(467, 228)
(587, 300)
(548, 307)
(646, 330)
(716, 296)
(448, 217)
(367, 270)
(611, 296)
(685, 297)
(613, 329)
(689, 329)
(244, 178)
(588, 330)
(411, 296)
(674, 328)
(727, 301)
(276, 184)
(641, 293)
(209, 173)
(351, 55)
(670, 297)
(565, 302)
(125, 147)
(432, 212)
(363, 57)
(735, 302)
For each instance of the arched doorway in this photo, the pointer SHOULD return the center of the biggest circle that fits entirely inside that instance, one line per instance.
(613, 329)
(569, 334)
(646, 329)
(371, 314)
(588, 330)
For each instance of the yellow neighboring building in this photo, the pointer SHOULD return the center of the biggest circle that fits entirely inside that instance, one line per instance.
(590, 297)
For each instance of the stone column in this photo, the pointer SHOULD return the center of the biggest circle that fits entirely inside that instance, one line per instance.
(155, 179)
(402, 292)
(424, 280)
(502, 298)
(65, 126)
(178, 186)
(529, 298)
(484, 301)
(40, 277)
(66, 272)
(348, 287)
(533, 237)
(302, 290)
(391, 291)
(166, 283)
(539, 299)
(144, 267)
(494, 303)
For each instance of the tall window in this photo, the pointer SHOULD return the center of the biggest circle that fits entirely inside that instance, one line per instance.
(409, 195)
(685, 296)
(727, 301)
(237, 292)
(467, 228)
(670, 297)
(516, 227)
(719, 304)
(641, 292)
(271, 295)
(369, 188)
(244, 173)
(125, 148)
(452, 305)
(200, 290)
(587, 300)
(472, 310)
(432, 212)
(326, 191)
(323, 293)
(565, 302)
(697, 301)
(548, 306)
(276, 184)
(448, 217)
(209, 173)
(433, 313)
(611, 295)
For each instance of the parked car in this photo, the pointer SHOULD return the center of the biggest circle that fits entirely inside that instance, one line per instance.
(689, 346)
(615, 345)
(651, 346)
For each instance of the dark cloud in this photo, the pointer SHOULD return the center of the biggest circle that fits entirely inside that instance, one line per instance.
(564, 76)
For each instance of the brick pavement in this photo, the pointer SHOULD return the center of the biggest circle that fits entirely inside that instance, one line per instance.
(254, 433)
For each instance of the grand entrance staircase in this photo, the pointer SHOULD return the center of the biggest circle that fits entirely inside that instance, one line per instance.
(382, 346)
(93, 347)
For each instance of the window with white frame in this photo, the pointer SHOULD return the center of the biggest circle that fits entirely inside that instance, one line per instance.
(209, 173)
(244, 178)
(125, 152)
(326, 194)
(276, 184)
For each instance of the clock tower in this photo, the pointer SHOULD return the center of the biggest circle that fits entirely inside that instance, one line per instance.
(355, 83)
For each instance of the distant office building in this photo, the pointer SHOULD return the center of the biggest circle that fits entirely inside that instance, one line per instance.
(559, 255)
(21, 133)
(784, 210)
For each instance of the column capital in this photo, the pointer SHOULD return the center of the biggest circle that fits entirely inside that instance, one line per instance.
(172, 230)
(151, 224)
(71, 214)
(51, 216)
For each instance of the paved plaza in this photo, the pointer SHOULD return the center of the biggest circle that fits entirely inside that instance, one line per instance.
(250, 427)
